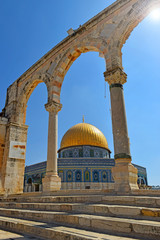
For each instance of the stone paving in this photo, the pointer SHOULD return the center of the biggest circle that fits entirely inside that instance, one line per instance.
(5, 235)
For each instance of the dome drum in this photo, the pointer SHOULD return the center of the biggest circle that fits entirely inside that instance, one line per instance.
(84, 151)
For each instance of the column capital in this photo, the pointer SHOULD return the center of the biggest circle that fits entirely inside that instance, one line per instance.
(53, 106)
(116, 75)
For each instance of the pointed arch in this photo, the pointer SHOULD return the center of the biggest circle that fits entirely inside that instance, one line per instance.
(58, 73)
(24, 92)
(134, 16)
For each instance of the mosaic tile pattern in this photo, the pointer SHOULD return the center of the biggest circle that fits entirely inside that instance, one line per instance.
(80, 164)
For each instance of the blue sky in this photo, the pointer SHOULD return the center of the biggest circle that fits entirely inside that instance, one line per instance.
(31, 28)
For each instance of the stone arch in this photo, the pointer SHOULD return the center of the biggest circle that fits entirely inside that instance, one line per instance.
(25, 92)
(128, 19)
(70, 55)
(140, 9)
(16, 131)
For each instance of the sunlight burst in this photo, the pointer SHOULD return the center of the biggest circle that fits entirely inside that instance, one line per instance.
(155, 14)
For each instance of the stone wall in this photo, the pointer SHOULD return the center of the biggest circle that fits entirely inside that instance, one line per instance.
(12, 170)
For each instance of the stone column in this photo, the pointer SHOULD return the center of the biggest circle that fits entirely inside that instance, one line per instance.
(52, 182)
(124, 173)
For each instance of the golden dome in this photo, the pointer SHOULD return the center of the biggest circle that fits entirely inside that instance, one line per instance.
(84, 134)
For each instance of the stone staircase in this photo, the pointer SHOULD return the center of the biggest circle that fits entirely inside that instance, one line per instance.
(82, 217)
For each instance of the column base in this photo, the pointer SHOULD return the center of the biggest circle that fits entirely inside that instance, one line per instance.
(125, 176)
(51, 183)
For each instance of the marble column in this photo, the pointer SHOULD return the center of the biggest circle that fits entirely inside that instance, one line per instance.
(124, 173)
(52, 182)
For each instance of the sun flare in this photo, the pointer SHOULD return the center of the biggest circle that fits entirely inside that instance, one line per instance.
(155, 14)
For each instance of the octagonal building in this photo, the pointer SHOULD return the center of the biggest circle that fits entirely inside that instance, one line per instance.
(84, 162)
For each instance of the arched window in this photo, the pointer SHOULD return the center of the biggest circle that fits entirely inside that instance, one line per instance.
(69, 176)
(29, 181)
(142, 181)
(78, 176)
(87, 176)
(95, 176)
(80, 152)
(91, 152)
(100, 154)
(104, 176)
(70, 153)
(38, 178)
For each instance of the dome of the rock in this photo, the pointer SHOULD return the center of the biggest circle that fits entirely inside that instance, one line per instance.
(84, 134)
(84, 162)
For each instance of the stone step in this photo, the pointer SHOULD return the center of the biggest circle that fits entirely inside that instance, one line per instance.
(153, 202)
(6, 235)
(56, 199)
(146, 201)
(52, 231)
(103, 224)
(96, 209)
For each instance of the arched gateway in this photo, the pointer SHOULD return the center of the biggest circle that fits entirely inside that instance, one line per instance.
(105, 33)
